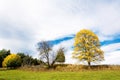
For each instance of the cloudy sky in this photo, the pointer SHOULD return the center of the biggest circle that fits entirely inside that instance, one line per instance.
(23, 23)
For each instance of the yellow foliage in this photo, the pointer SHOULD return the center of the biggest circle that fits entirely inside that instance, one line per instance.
(87, 46)
(12, 58)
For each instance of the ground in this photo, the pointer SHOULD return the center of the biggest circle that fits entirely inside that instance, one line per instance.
(55, 75)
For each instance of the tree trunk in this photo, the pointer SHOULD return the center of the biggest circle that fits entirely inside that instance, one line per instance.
(89, 64)
(48, 64)
(52, 65)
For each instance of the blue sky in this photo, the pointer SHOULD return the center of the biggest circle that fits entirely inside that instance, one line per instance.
(23, 23)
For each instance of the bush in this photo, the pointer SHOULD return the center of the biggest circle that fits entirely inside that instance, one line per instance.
(3, 54)
(12, 61)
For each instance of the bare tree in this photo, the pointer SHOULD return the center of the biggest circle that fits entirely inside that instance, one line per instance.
(47, 54)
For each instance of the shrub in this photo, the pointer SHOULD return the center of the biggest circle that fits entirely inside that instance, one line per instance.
(3, 54)
(12, 61)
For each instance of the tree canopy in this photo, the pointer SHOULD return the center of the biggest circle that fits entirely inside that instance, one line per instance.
(60, 55)
(87, 47)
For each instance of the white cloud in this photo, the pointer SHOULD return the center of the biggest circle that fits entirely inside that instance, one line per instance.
(58, 17)
(111, 53)
(112, 58)
(111, 47)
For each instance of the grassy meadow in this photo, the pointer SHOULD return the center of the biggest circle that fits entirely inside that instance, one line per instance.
(57, 75)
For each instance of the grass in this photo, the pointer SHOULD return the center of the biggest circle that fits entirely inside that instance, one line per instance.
(55, 75)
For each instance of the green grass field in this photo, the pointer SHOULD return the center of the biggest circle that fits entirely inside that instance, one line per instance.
(53, 75)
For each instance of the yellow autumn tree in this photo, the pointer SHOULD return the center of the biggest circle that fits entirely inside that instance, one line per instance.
(12, 61)
(87, 47)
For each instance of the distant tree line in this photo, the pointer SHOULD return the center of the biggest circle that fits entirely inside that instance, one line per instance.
(7, 59)
(47, 58)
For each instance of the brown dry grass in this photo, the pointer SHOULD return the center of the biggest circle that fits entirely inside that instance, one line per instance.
(71, 68)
